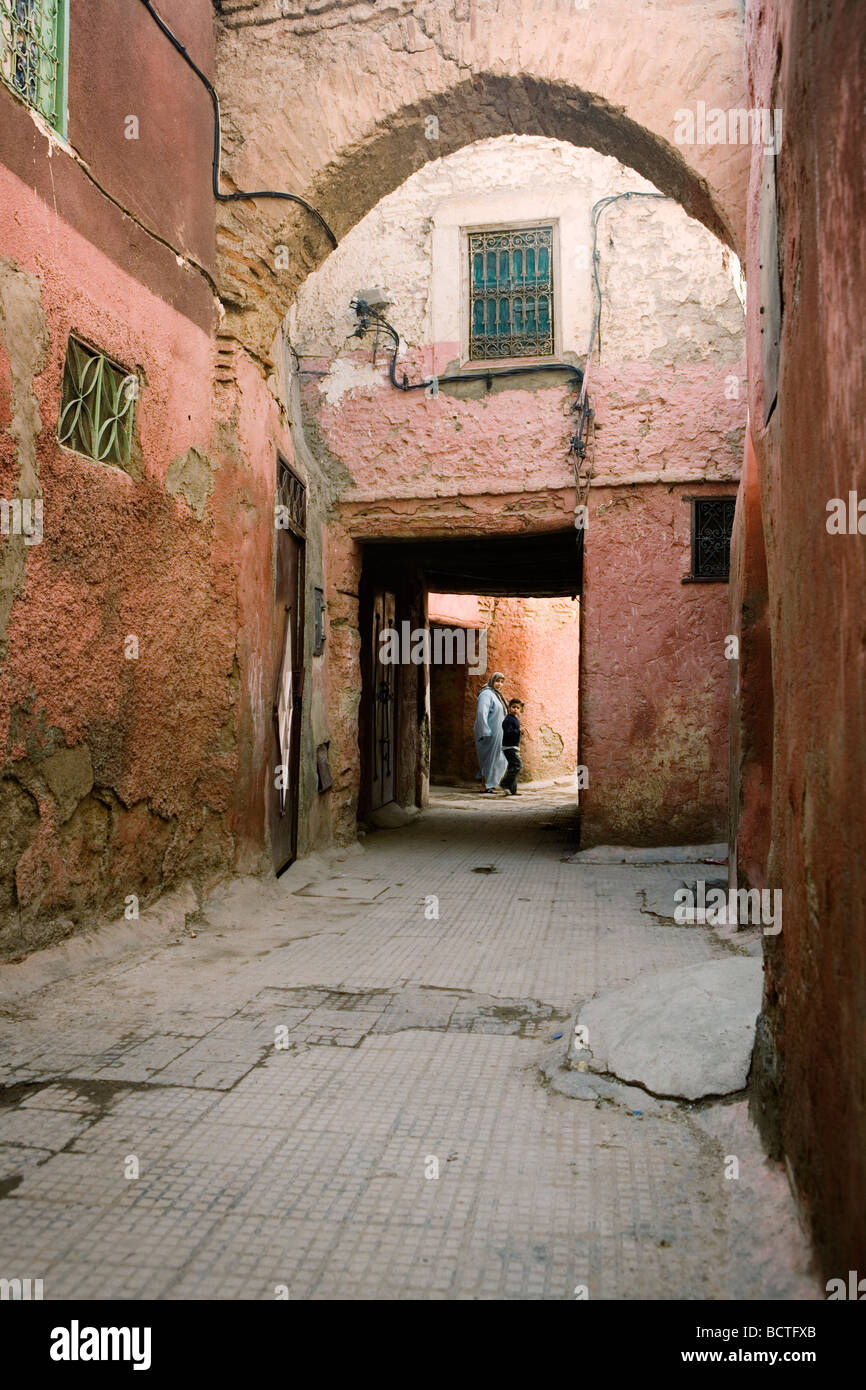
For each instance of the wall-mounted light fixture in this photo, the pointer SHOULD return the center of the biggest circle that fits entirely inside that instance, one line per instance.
(369, 306)
(376, 299)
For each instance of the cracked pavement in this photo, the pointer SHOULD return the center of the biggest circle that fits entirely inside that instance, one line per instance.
(252, 1100)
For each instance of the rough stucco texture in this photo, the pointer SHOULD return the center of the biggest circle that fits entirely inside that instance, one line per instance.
(121, 774)
(655, 261)
(751, 687)
(668, 395)
(654, 683)
(668, 388)
(811, 1062)
(298, 115)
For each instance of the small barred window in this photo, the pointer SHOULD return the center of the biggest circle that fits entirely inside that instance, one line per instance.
(712, 522)
(97, 406)
(291, 499)
(511, 293)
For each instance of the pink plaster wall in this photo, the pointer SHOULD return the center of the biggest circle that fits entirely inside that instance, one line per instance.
(464, 609)
(682, 421)
(168, 751)
(411, 445)
(751, 689)
(810, 1063)
(535, 643)
(653, 674)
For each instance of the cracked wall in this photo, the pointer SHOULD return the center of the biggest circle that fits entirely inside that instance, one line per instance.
(137, 631)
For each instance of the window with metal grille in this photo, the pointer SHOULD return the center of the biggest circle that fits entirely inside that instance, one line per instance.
(511, 293)
(97, 405)
(33, 44)
(291, 499)
(712, 522)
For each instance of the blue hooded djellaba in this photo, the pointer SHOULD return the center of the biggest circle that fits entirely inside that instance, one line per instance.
(487, 729)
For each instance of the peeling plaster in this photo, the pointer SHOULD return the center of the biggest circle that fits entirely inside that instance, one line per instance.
(191, 477)
(347, 376)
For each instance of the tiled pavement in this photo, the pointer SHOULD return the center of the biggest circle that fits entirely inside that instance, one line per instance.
(287, 1078)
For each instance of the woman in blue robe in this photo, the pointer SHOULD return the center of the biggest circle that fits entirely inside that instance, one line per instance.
(487, 729)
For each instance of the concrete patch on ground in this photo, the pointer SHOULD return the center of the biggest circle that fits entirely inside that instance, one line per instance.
(579, 1083)
(464, 1011)
(685, 1033)
(357, 890)
(659, 901)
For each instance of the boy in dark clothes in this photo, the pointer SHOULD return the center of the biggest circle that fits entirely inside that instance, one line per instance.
(510, 745)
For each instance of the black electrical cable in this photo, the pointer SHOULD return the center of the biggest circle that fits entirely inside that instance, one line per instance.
(367, 314)
(579, 441)
(597, 210)
(215, 167)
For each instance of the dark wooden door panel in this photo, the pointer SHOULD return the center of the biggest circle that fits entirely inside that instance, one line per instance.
(383, 723)
(289, 676)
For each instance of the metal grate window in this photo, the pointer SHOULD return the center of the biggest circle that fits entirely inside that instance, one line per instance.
(712, 522)
(291, 499)
(511, 293)
(33, 43)
(97, 405)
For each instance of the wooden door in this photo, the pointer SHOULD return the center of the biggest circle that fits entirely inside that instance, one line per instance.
(384, 695)
(289, 677)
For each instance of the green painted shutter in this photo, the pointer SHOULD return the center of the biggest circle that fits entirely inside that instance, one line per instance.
(34, 42)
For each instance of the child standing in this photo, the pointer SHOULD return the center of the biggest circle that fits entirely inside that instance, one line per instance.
(511, 745)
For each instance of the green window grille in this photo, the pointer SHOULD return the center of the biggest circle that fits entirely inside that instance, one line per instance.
(33, 44)
(97, 406)
(511, 293)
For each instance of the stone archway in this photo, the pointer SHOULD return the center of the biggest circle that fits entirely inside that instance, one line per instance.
(342, 106)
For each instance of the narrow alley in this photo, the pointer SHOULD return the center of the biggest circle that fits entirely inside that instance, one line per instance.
(313, 1087)
(432, 672)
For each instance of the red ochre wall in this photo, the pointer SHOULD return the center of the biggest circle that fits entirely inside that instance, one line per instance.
(809, 1070)
(121, 776)
(120, 65)
(751, 689)
(654, 685)
(535, 643)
